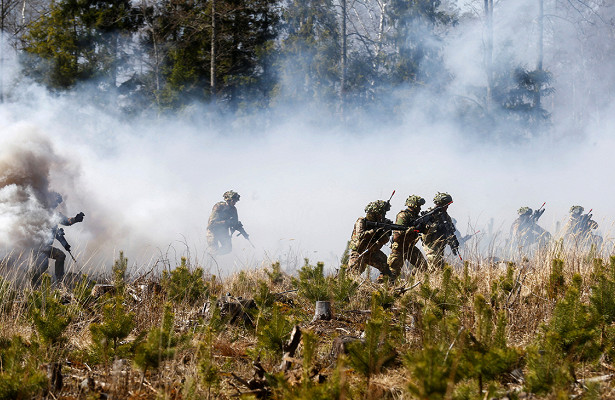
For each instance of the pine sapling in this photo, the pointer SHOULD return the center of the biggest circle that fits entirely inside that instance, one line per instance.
(183, 285)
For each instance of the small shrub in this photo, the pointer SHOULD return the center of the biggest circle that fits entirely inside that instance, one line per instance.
(160, 344)
(49, 316)
(369, 357)
(20, 377)
(573, 329)
(116, 325)
(312, 284)
(557, 283)
(274, 332)
(343, 287)
(184, 286)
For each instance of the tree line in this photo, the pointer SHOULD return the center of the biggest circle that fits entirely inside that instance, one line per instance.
(251, 54)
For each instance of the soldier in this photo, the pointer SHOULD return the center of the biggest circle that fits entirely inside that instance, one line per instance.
(223, 221)
(525, 231)
(578, 229)
(365, 244)
(57, 233)
(404, 242)
(440, 232)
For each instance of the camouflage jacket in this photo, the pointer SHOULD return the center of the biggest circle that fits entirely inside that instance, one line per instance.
(368, 239)
(406, 218)
(525, 232)
(440, 229)
(223, 216)
(580, 225)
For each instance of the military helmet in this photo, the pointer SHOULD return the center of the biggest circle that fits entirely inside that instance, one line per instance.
(415, 201)
(441, 199)
(231, 195)
(377, 207)
(576, 210)
(524, 211)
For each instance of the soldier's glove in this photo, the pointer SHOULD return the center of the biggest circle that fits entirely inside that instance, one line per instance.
(67, 247)
(454, 250)
(79, 217)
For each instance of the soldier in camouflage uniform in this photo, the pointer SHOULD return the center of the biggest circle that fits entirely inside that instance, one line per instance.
(223, 221)
(365, 243)
(578, 229)
(404, 242)
(526, 232)
(440, 232)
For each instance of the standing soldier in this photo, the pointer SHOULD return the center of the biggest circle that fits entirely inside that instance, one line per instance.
(578, 229)
(439, 232)
(223, 221)
(365, 243)
(404, 242)
(49, 251)
(525, 231)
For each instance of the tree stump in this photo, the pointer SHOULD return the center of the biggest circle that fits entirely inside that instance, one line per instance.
(323, 311)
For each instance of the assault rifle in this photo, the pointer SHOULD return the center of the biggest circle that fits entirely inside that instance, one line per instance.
(238, 226)
(59, 235)
(584, 219)
(538, 213)
(418, 224)
(385, 225)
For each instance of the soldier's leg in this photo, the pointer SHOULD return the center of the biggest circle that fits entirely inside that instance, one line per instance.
(396, 259)
(225, 244)
(212, 243)
(60, 258)
(417, 260)
(435, 256)
(378, 260)
(356, 262)
(40, 263)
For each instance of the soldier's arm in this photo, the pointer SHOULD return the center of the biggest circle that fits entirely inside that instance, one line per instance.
(64, 220)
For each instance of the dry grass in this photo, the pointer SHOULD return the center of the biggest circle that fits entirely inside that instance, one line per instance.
(235, 346)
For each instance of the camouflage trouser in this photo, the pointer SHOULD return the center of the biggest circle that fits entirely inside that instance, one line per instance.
(376, 258)
(399, 253)
(42, 264)
(219, 241)
(435, 254)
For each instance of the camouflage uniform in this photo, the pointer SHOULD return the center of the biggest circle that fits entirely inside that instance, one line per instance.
(221, 224)
(525, 231)
(439, 233)
(404, 243)
(365, 244)
(578, 229)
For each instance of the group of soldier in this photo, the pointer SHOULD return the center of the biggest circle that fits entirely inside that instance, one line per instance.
(577, 232)
(434, 227)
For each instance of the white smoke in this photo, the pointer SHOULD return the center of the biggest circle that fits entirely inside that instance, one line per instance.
(147, 185)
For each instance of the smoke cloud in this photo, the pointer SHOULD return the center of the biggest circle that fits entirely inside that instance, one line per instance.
(147, 185)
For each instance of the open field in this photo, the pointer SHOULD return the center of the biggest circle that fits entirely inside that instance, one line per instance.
(538, 328)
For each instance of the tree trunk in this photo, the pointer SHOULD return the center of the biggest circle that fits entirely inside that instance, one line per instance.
(489, 53)
(343, 59)
(212, 69)
(541, 14)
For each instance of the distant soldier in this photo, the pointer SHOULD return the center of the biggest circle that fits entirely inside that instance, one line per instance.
(525, 231)
(223, 221)
(365, 243)
(439, 233)
(48, 250)
(404, 242)
(578, 229)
